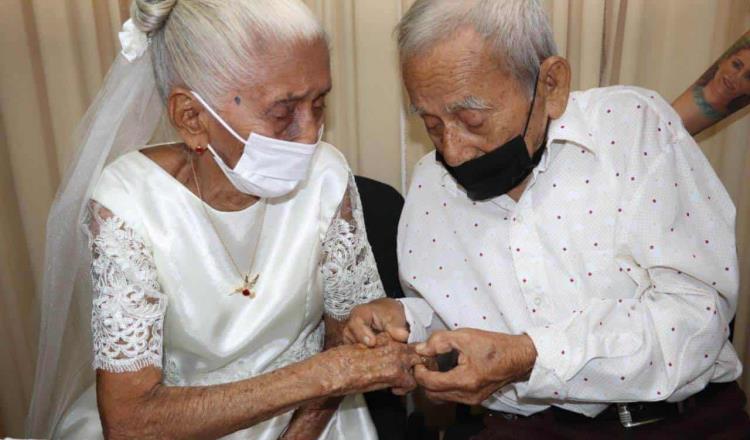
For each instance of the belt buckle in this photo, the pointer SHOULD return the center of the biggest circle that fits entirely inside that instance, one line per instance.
(626, 417)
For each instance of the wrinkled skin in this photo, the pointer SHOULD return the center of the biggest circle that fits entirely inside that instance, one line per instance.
(487, 362)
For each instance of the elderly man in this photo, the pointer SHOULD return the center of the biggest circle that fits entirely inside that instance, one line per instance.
(575, 249)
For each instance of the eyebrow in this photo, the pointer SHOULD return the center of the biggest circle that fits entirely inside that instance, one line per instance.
(468, 103)
(291, 97)
(413, 109)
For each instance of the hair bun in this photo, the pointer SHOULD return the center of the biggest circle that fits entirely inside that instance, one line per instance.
(150, 15)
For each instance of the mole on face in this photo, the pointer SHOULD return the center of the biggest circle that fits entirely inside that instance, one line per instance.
(237, 100)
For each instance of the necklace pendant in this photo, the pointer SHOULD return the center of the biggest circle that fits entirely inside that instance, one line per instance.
(248, 286)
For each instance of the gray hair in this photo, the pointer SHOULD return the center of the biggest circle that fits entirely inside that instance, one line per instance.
(518, 31)
(212, 46)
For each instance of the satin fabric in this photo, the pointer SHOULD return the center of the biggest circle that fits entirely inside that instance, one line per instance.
(210, 335)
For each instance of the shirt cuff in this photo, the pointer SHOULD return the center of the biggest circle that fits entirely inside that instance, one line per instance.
(419, 317)
(560, 357)
(547, 377)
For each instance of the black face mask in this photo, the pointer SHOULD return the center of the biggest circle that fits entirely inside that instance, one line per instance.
(497, 172)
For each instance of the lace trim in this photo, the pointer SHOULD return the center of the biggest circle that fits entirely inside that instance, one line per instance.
(128, 306)
(303, 348)
(350, 274)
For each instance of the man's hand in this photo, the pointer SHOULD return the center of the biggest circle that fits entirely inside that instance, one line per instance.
(487, 361)
(383, 315)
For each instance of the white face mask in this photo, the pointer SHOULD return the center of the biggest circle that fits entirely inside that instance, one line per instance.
(268, 167)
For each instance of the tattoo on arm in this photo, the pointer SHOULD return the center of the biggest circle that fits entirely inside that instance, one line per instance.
(706, 109)
(720, 91)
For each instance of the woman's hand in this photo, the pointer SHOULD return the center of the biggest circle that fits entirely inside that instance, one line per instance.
(357, 368)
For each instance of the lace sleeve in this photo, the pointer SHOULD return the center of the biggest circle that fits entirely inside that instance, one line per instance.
(350, 275)
(128, 309)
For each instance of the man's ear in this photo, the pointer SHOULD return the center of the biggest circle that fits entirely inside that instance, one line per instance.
(555, 80)
(187, 115)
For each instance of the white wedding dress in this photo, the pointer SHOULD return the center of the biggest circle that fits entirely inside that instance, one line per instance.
(162, 283)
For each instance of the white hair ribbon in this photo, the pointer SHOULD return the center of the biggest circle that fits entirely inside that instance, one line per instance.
(133, 40)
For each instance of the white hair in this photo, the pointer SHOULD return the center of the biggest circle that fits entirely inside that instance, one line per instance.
(212, 46)
(517, 31)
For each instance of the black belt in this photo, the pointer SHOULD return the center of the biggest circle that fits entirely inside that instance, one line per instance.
(628, 415)
(633, 414)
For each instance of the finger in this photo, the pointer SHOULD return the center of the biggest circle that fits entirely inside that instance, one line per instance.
(437, 381)
(400, 391)
(440, 342)
(435, 397)
(406, 381)
(449, 396)
(412, 358)
(430, 363)
(348, 336)
(361, 331)
(398, 333)
(375, 387)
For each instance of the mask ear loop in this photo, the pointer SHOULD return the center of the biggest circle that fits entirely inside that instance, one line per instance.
(537, 157)
(531, 108)
(218, 118)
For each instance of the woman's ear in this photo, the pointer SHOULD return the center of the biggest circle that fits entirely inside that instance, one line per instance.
(186, 115)
(555, 74)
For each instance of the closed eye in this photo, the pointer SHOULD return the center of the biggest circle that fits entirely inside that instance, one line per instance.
(431, 122)
(281, 110)
(320, 103)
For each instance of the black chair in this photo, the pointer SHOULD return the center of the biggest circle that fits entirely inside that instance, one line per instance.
(381, 206)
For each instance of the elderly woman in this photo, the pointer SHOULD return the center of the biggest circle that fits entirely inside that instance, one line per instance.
(216, 260)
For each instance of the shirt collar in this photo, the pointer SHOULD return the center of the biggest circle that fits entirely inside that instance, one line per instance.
(570, 128)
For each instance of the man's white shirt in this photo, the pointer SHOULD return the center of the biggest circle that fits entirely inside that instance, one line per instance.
(619, 259)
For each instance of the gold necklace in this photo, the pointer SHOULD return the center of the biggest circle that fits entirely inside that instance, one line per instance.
(248, 283)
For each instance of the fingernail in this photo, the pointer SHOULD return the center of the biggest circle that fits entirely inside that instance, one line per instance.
(367, 340)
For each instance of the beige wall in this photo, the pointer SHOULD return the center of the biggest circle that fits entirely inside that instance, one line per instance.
(55, 52)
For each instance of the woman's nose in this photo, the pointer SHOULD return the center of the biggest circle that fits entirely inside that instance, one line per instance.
(309, 128)
(309, 134)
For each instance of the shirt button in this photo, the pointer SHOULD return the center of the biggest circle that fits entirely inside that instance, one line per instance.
(537, 300)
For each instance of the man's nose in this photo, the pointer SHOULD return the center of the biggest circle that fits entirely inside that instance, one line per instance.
(455, 149)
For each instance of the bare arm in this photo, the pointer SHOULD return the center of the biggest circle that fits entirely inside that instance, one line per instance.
(722, 90)
(138, 405)
(311, 419)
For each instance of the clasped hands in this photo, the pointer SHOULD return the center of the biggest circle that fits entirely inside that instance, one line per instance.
(487, 361)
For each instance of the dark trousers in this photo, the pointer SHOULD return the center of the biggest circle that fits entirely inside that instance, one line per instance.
(717, 413)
